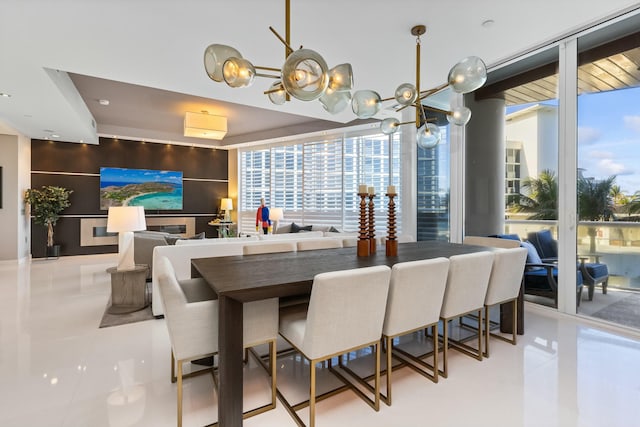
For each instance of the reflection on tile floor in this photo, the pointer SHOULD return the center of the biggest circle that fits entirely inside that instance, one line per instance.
(59, 369)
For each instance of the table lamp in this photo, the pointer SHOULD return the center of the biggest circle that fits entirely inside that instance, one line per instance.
(124, 220)
(226, 205)
(275, 215)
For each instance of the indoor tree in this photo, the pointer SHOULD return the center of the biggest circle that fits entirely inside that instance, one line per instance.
(46, 205)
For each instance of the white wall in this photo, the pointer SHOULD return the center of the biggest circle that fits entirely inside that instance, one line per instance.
(15, 159)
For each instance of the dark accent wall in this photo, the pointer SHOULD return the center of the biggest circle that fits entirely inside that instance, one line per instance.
(62, 164)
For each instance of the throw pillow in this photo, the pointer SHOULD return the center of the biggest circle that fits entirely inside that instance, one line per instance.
(173, 238)
(295, 228)
(532, 253)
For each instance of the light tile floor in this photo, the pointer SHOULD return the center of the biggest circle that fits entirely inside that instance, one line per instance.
(58, 369)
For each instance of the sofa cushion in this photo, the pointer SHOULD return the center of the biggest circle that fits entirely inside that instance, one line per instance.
(532, 253)
(295, 228)
(173, 238)
(597, 270)
(283, 229)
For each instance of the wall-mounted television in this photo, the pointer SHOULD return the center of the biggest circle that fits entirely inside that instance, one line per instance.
(152, 189)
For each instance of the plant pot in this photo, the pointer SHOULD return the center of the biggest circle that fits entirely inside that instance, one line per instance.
(53, 251)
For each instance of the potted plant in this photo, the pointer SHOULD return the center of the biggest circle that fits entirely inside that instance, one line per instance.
(46, 204)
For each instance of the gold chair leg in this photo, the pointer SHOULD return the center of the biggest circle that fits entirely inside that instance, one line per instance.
(389, 345)
(434, 333)
(312, 394)
(445, 350)
(272, 365)
(179, 393)
(377, 385)
(486, 331)
(480, 334)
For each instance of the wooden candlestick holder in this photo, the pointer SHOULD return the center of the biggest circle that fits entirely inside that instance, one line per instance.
(363, 238)
(392, 243)
(372, 226)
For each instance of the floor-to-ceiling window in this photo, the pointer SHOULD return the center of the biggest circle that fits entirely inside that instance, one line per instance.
(433, 185)
(608, 182)
(316, 181)
(585, 101)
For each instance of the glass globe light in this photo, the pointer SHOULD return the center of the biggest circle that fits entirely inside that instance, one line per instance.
(365, 103)
(238, 72)
(406, 94)
(305, 75)
(215, 56)
(459, 116)
(468, 75)
(341, 78)
(428, 136)
(278, 97)
(335, 102)
(389, 126)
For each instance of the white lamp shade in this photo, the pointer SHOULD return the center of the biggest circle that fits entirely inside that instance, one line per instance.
(126, 218)
(226, 204)
(276, 214)
(203, 125)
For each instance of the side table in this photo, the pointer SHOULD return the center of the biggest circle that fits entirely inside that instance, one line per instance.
(128, 289)
(224, 228)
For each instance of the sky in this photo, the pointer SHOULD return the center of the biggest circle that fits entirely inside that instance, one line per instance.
(609, 136)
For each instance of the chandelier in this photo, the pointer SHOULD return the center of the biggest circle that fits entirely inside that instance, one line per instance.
(306, 76)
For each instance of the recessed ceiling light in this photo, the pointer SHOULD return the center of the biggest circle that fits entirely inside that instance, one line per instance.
(55, 135)
(488, 23)
(5, 95)
(103, 101)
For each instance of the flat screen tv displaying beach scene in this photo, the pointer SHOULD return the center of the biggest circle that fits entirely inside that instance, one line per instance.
(152, 189)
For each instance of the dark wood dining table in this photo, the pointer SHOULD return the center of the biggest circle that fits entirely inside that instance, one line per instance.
(240, 279)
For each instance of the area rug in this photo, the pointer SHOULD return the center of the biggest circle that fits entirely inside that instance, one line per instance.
(109, 319)
(624, 312)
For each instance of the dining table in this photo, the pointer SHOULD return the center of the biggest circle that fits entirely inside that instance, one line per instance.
(240, 279)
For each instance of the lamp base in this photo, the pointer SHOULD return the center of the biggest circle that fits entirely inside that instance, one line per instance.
(125, 251)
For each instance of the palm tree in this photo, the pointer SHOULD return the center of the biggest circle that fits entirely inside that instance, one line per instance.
(541, 199)
(595, 203)
(633, 205)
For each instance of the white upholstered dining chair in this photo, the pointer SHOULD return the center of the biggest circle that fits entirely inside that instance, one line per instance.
(193, 330)
(416, 291)
(466, 289)
(345, 313)
(504, 286)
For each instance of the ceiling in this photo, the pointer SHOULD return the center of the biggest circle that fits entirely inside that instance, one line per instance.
(58, 58)
(618, 71)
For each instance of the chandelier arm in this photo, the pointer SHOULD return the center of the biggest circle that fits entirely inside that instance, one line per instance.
(278, 89)
(284, 42)
(430, 92)
(387, 99)
(405, 106)
(269, 76)
(257, 67)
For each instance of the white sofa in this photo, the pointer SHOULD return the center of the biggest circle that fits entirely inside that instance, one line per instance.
(184, 251)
